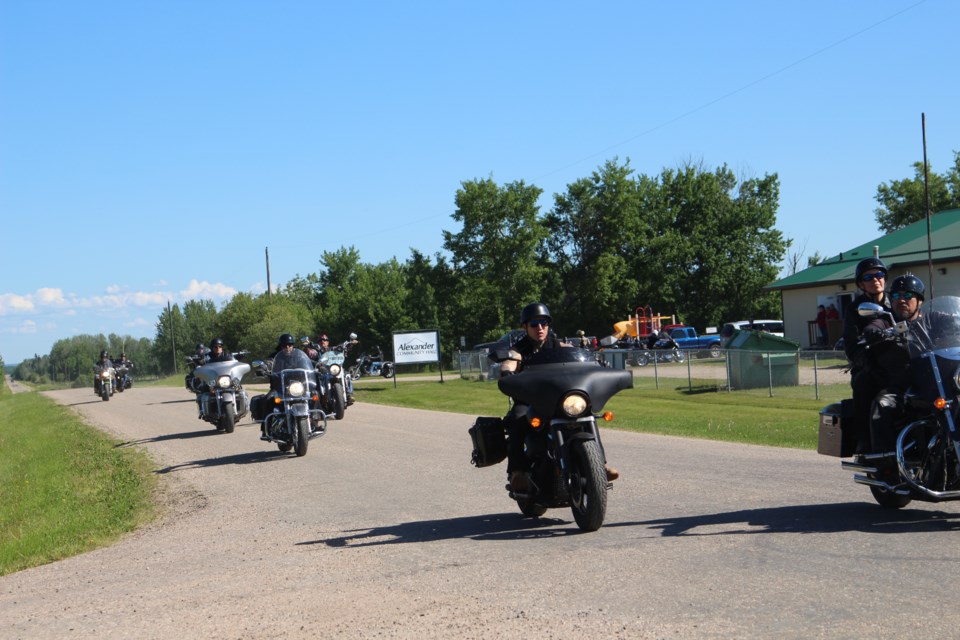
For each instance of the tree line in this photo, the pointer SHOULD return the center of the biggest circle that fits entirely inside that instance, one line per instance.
(696, 243)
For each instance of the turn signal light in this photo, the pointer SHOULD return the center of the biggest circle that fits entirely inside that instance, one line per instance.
(535, 423)
(940, 403)
(607, 416)
(277, 400)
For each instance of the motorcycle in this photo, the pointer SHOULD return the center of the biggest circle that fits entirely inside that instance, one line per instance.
(560, 394)
(290, 415)
(123, 380)
(221, 398)
(103, 381)
(664, 351)
(333, 383)
(372, 364)
(925, 463)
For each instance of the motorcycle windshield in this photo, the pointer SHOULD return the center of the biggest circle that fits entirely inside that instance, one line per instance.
(938, 327)
(551, 374)
(332, 357)
(296, 359)
(213, 370)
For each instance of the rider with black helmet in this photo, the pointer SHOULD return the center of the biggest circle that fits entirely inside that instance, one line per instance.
(218, 353)
(535, 319)
(870, 278)
(892, 363)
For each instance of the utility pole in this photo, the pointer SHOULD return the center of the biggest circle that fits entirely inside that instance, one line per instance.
(926, 196)
(266, 250)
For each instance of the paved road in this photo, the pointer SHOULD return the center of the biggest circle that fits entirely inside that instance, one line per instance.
(385, 531)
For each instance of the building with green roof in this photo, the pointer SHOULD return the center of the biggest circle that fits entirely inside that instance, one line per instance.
(903, 251)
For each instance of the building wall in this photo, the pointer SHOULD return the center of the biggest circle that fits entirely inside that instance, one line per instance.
(800, 305)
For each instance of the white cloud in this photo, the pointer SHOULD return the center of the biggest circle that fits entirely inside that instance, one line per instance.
(13, 303)
(138, 322)
(48, 296)
(203, 290)
(114, 288)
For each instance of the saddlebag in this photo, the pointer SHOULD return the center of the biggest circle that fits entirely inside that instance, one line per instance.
(259, 407)
(837, 436)
(489, 437)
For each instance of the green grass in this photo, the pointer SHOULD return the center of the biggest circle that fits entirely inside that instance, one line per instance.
(65, 488)
(788, 419)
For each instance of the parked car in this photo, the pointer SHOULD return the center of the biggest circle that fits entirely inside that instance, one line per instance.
(508, 339)
(774, 327)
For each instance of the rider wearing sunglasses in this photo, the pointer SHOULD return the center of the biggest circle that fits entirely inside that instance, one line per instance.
(535, 319)
(870, 278)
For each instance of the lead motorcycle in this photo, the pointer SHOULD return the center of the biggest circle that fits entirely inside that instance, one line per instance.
(925, 464)
(221, 398)
(560, 393)
(290, 414)
(103, 376)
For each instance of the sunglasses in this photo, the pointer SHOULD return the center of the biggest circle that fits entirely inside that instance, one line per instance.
(874, 276)
(903, 295)
(539, 323)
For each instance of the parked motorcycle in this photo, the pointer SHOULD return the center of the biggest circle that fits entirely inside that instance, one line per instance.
(372, 364)
(221, 398)
(562, 392)
(925, 464)
(290, 414)
(664, 351)
(103, 381)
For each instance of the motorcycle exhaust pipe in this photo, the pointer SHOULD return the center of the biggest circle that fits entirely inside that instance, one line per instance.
(873, 482)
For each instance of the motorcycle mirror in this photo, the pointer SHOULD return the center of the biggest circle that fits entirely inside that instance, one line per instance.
(499, 355)
(869, 310)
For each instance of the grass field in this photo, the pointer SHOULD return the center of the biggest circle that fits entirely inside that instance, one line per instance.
(64, 486)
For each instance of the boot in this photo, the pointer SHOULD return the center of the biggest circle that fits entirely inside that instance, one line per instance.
(518, 482)
(612, 474)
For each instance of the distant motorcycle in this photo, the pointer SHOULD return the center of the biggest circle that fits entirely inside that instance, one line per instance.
(372, 364)
(221, 398)
(664, 351)
(123, 380)
(290, 414)
(103, 381)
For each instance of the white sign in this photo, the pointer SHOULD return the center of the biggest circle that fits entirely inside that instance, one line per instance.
(415, 347)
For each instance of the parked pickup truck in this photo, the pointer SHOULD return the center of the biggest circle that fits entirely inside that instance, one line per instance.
(687, 338)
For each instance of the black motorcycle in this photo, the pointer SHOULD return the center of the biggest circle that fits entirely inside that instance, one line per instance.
(290, 414)
(664, 351)
(925, 464)
(123, 380)
(560, 393)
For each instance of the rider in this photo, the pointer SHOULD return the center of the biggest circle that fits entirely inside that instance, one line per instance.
(535, 319)
(218, 353)
(893, 362)
(871, 276)
(103, 363)
(584, 340)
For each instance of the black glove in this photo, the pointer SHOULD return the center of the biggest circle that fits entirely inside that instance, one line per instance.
(872, 334)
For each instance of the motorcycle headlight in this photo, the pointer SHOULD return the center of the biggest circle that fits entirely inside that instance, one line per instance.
(224, 382)
(296, 388)
(105, 374)
(334, 369)
(574, 404)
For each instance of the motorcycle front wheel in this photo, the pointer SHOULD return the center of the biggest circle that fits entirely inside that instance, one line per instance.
(303, 435)
(104, 393)
(387, 370)
(227, 419)
(339, 402)
(588, 485)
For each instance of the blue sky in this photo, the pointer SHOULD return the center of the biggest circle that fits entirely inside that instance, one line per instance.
(150, 151)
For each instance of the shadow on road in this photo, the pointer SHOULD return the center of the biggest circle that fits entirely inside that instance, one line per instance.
(170, 436)
(252, 457)
(813, 518)
(503, 526)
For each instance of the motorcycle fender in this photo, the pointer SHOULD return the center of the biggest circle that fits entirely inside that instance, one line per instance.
(227, 397)
(298, 409)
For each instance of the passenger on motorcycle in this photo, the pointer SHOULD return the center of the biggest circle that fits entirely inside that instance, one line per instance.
(218, 353)
(535, 319)
(870, 277)
(892, 363)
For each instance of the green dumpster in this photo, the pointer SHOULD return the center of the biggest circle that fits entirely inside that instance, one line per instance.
(758, 359)
(615, 358)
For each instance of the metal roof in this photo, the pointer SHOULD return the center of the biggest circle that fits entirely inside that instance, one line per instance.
(903, 248)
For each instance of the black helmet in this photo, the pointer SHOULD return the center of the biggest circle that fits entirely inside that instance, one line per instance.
(909, 282)
(869, 263)
(104, 354)
(216, 342)
(534, 310)
(286, 339)
(304, 340)
(200, 346)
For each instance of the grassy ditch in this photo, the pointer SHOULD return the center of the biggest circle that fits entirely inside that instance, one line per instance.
(64, 486)
(743, 416)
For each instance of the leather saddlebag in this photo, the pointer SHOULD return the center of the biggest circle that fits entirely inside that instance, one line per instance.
(489, 437)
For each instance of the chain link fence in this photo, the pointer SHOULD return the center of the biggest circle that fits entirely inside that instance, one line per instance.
(819, 374)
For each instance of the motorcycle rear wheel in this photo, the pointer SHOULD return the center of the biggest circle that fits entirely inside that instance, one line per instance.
(303, 436)
(227, 419)
(531, 509)
(888, 499)
(588, 488)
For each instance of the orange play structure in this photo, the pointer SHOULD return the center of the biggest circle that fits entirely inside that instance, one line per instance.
(641, 324)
